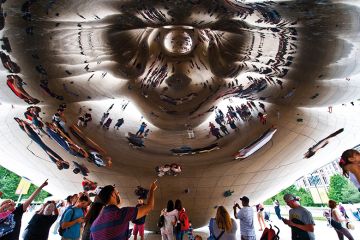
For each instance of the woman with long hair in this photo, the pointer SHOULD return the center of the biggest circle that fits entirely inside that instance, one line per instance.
(169, 213)
(92, 214)
(338, 221)
(223, 227)
(179, 234)
(260, 216)
(39, 225)
(350, 164)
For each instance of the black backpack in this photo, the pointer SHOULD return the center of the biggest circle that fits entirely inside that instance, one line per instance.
(62, 230)
(161, 221)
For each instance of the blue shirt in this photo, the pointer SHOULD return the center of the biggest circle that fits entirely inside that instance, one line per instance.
(70, 215)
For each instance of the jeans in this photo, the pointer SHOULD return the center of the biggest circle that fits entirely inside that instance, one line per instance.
(180, 235)
(277, 211)
(248, 237)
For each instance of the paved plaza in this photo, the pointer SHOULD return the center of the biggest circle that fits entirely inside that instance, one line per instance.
(322, 231)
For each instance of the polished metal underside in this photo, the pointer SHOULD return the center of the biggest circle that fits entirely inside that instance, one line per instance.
(174, 65)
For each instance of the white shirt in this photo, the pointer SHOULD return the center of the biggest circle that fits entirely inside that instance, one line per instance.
(226, 235)
(354, 180)
(170, 218)
(246, 217)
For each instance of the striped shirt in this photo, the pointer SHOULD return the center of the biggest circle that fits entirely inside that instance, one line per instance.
(113, 223)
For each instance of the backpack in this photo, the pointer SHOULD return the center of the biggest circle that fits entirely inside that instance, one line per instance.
(184, 220)
(7, 225)
(161, 221)
(60, 229)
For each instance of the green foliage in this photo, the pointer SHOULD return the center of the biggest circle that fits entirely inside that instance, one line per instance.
(306, 199)
(337, 185)
(342, 190)
(9, 182)
(351, 194)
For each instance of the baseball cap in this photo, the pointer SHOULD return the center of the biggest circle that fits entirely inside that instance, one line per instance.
(290, 197)
(245, 199)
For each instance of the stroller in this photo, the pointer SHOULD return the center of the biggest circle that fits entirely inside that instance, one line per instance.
(270, 234)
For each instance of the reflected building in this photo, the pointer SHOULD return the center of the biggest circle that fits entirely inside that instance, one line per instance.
(318, 182)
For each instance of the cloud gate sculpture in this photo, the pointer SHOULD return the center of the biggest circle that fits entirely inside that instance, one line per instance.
(207, 96)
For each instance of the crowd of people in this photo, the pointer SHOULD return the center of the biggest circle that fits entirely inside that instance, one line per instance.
(102, 218)
(78, 217)
(234, 115)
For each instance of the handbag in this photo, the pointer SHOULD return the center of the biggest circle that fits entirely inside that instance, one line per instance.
(336, 225)
(350, 225)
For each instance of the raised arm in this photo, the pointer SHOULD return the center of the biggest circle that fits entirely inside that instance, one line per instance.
(34, 195)
(146, 208)
(234, 208)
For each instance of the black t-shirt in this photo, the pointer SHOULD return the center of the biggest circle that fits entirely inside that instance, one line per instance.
(14, 235)
(141, 220)
(39, 226)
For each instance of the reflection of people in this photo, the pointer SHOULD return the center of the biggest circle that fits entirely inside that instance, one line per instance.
(119, 123)
(15, 83)
(322, 143)
(55, 158)
(190, 132)
(350, 164)
(301, 221)
(141, 129)
(88, 185)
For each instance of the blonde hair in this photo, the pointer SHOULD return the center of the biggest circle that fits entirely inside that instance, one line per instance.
(223, 220)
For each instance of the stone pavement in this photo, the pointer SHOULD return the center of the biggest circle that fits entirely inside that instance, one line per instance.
(322, 232)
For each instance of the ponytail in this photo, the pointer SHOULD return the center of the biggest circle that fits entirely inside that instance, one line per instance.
(344, 160)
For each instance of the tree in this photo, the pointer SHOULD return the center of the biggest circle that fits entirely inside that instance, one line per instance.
(9, 182)
(306, 198)
(337, 186)
(350, 194)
